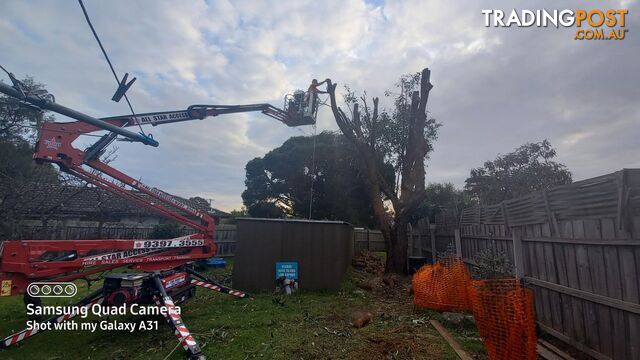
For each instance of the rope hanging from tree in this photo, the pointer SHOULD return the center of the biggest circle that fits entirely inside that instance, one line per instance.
(313, 169)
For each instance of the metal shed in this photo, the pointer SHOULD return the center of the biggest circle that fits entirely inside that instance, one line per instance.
(321, 249)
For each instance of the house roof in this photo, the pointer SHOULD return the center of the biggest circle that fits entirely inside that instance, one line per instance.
(65, 200)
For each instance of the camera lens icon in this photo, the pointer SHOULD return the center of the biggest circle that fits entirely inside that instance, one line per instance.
(33, 290)
(70, 289)
(45, 290)
(52, 289)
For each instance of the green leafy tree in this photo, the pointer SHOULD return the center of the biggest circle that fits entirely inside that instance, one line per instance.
(529, 168)
(279, 184)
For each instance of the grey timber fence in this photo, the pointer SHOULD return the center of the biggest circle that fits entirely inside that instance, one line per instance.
(578, 247)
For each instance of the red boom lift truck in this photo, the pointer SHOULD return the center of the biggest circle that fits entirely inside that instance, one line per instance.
(164, 275)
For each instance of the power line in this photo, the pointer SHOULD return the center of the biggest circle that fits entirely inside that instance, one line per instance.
(104, 52)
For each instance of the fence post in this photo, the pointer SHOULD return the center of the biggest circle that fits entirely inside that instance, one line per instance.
(419, 248)
(434, 255)
(410, 241)
(368, 241)
(456, 233)
(517, 254)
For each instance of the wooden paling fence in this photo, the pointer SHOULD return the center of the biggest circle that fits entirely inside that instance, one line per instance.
(577, 247)
(225, 240)
(367, 240)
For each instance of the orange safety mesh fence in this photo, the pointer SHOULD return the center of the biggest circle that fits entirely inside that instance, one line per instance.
(442, 286)
(504, 315)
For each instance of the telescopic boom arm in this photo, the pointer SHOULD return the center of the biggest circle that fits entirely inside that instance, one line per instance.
(49, 105)
(195, 112)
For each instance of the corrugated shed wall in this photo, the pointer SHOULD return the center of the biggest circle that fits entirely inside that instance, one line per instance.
(323, 250)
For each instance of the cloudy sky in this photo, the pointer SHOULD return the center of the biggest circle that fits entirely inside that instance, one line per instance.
(495, 88)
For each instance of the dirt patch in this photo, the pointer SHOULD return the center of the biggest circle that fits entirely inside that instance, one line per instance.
(396, 330)
(400, 343)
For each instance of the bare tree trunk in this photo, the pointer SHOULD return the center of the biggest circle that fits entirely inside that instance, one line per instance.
(397, 249)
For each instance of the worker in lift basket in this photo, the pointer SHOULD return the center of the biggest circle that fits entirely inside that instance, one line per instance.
(312, 97)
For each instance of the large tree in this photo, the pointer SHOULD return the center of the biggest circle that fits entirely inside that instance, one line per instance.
(280, 183)
(528, 168)
(403, 137)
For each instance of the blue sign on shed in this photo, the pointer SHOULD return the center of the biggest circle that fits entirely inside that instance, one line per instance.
(287, 269)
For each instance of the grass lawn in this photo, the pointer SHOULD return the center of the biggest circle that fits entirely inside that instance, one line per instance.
(307, 325)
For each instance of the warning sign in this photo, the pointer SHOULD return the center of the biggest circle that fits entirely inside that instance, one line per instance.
(6, 288)
(287, 269)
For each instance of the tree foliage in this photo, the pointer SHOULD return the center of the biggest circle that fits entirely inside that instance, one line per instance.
(404, 137)
(239, 213)
(18, 131)
(279, 184)
(441, 198)
(19, 121)
(18, 124)
(529, 168)
(492, 263)
(235, 214)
